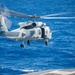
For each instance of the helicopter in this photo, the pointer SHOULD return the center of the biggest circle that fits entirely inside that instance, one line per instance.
(30, 30)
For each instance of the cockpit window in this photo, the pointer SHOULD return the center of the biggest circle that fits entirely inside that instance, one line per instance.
(33, 24)
(30, 26)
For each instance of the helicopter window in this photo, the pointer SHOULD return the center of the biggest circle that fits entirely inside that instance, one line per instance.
(23, 34)
(33, 24)
(32, 33)
(30, 26)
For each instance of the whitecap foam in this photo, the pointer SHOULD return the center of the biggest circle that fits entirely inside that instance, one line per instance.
(25, 70)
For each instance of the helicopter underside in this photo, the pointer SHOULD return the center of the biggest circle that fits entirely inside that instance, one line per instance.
(23, 39)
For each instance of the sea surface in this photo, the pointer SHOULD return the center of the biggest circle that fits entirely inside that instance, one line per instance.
(59, 54)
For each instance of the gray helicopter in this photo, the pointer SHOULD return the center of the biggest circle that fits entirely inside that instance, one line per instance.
(30, 30)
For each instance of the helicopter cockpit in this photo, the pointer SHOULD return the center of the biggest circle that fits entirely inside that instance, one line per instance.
(30, 26)
(27, 25)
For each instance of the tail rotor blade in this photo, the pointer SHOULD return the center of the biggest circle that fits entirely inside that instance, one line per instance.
(8, 23)
(5, 12)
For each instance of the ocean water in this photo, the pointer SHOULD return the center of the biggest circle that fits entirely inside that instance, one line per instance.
(59, 54)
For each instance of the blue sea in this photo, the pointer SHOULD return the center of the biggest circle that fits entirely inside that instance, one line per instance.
(59, 54)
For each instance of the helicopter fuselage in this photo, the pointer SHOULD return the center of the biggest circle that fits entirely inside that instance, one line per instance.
(26, 32)
(29, 32)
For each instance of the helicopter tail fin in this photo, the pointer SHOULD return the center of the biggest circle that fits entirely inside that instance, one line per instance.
(3, 27)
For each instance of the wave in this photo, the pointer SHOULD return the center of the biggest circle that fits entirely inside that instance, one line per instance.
(11, 71)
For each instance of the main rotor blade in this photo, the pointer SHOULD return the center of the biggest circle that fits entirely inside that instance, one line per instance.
(58, 17)
(58, 14)
(36, 17)
(16, 13)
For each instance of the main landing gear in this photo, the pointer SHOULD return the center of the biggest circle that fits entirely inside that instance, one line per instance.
(22, 45)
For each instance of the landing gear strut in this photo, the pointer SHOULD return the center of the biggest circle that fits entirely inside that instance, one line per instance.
(46, 42)
(28, 42)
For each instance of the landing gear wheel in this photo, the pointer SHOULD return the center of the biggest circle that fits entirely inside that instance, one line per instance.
(46, 43)
(28, 42)
(22, 45)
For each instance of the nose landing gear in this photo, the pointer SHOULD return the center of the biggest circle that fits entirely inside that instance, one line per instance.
(46, 42)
